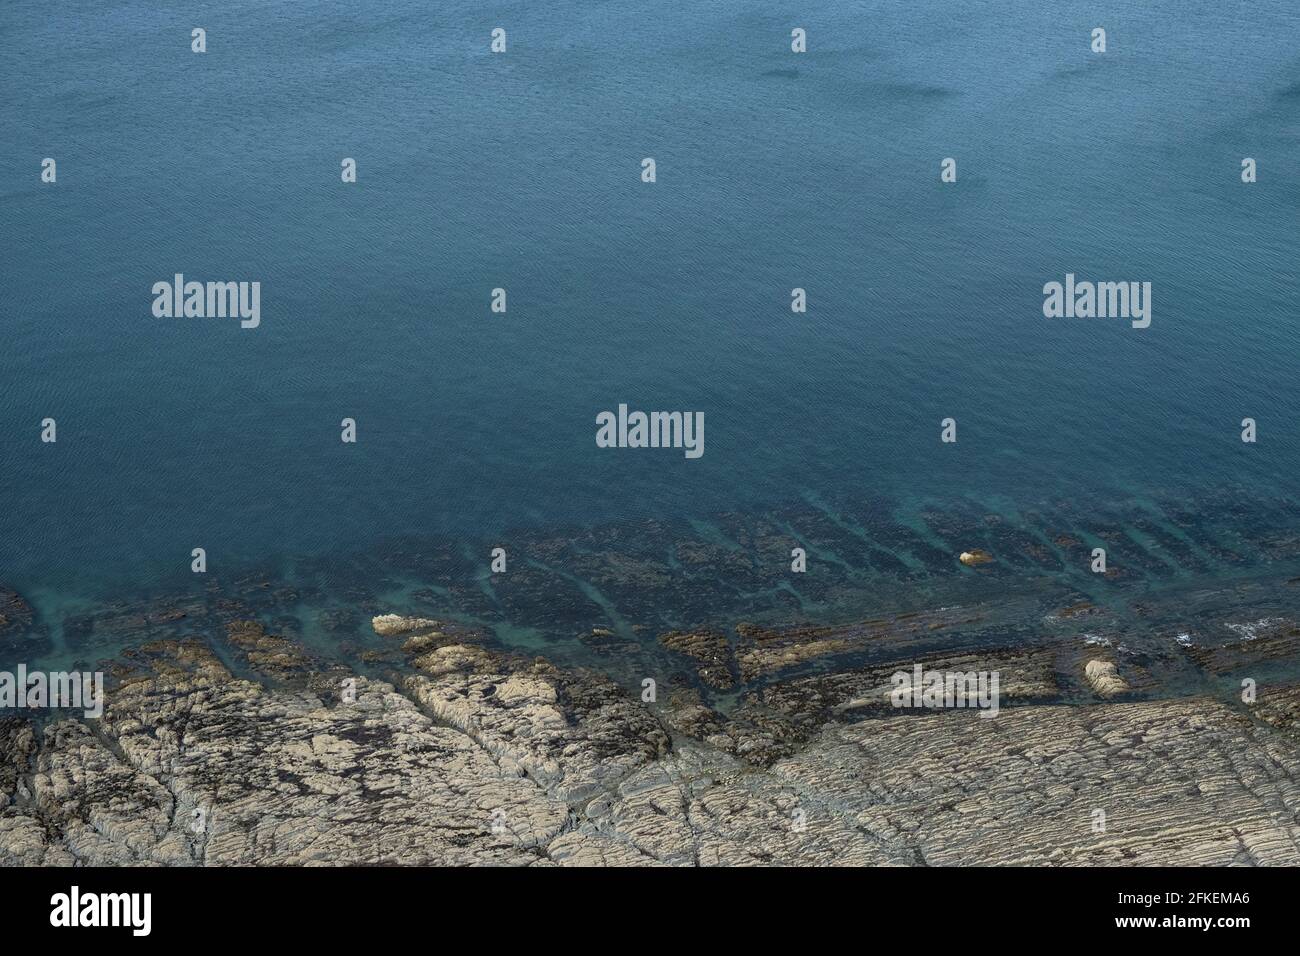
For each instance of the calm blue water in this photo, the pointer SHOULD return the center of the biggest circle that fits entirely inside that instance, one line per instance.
(522, 171)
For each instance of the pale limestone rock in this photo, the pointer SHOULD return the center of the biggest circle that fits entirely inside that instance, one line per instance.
(482, 759)
(393, 625)
(1104, 678)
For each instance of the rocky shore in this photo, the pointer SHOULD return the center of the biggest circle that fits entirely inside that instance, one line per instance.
(248, 749)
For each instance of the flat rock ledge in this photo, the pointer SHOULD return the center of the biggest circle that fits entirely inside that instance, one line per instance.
(475, 757)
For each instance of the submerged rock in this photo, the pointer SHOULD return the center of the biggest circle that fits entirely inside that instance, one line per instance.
(710, 651)
(15, 613)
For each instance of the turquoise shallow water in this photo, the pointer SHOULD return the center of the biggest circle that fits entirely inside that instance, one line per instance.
(774, 170)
